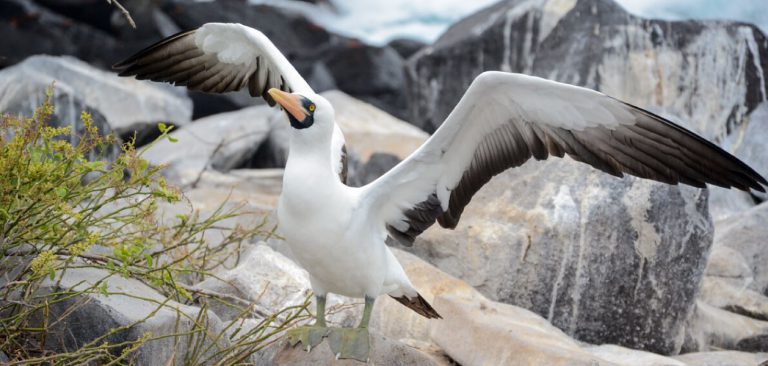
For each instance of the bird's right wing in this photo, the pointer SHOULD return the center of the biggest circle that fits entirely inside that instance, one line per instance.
(217, 58)
(504, 119)
(224, 57)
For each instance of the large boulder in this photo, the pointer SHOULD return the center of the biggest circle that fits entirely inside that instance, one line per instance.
(607, 260)
(125, 310)
(122, 105)
(710, 73)
(710, 328)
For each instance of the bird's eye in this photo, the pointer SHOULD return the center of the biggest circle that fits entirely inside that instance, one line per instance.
(311, 107)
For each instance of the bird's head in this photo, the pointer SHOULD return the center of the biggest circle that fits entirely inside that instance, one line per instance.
(304, 111)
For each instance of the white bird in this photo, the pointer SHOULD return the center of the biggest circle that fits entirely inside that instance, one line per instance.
(338, 233)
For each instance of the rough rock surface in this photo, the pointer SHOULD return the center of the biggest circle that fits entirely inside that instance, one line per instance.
(384, 352)
(723, 358)
(746, 232)
(607, 260)
(710, 328)
(221, 142)
(121, 105)
(80, 319)
(710, 73)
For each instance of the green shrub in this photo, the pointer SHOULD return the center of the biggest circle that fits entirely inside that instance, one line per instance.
(60, 210)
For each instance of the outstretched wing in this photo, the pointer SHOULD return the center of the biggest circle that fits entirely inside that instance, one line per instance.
(224, 57)
(217, 58)
(505, 119)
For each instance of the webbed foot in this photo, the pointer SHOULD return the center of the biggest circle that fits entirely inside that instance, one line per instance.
(351, 343)
(309, 335)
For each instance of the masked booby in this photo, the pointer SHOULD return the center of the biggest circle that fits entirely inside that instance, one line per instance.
(338, 233)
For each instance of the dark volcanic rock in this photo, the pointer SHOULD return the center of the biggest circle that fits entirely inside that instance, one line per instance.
(29, 29)
(406, 47)
(373, 74)
(754, 344)
(710, 73)
(377, 165)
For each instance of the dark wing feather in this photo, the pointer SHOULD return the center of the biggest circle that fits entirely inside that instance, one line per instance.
(178, 60)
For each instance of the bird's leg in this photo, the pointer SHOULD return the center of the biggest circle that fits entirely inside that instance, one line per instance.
(311, 335)
(353, 342)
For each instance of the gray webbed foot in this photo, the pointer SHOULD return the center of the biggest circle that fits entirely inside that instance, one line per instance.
(309, 335)
(351, 343)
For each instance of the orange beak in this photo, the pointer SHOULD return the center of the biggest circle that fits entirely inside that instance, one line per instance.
(290, 102)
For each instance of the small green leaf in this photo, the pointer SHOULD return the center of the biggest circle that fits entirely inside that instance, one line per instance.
(61, 192)
(52, 274)
(163, 127)
(173, 139)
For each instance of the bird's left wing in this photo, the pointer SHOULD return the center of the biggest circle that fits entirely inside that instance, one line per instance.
(504, 119)
(217, 58)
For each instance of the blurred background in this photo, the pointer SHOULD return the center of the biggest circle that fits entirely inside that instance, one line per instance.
(619, 261)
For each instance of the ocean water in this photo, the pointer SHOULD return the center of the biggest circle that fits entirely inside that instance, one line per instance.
(379, 21)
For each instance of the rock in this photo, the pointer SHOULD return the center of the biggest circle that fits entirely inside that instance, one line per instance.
(607, 260)
(481, 332)
(747, 142)
(369, 130)
(723, 358)
(264, 278)
(29, 29)
(630, 357)
(220, 142)
(746, 233)
(711, 328)
(598, 44)
(722, 294)
(726, 264)
(77, 320)
(754, 344)
(271, 281)
(406, 47)
(488, 333)
(122, 105)
(384, 352)
(373, 74)
(377, 165)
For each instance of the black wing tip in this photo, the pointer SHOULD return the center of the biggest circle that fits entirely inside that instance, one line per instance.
(754, 179)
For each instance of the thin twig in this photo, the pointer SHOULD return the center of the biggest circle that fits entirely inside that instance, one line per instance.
(124, 11)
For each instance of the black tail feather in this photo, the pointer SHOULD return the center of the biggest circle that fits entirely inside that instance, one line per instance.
(419, 305)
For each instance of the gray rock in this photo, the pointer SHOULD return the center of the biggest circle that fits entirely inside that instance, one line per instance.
(597, 44)
(723, 358)
(384, 352)
(721, 293)
(377, 165)
(754, 344)
(607, 260)
(710, 328)
(220, 142)
(728, 265)
(406, 47)
(118, 104)
(271, 281)
(745, 233)
(77, 320)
